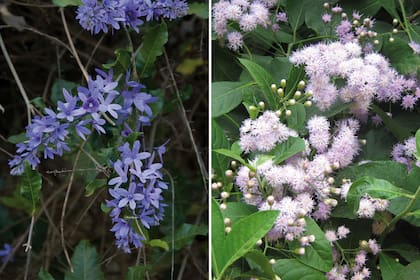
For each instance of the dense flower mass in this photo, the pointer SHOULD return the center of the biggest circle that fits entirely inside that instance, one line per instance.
(406, 153)
(142, 201)
(96, 16)
(303, 186)
(340, 70)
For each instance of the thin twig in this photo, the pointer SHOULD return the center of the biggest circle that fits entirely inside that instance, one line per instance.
(184, 117)
(28, 246)
(63, 210)
(73, 49)
(17, 79)
(94, 51)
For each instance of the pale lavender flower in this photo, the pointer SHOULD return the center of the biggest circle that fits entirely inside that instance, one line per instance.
(319, 135)
(331, 236)
(408, 101)
(235, 40)
(374, 246)
(366, 208)
(415, 47)
(326, 17)
(281, 16)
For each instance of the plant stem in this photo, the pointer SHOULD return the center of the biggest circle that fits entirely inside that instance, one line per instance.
(405, 19)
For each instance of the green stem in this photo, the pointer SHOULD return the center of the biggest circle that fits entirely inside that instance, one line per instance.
(405, 19)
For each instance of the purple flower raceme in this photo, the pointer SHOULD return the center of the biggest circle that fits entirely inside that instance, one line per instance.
(140, 206)
(96, 16)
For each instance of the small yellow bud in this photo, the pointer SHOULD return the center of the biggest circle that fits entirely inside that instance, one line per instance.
(288, 113)
(308, 103)
(274, 87)
(298, 94)
(395, 31)
(376, 42)
(391, 39)
(283, 83)
(261, 105)
(394, 21)
(301, 85)
(356, 22)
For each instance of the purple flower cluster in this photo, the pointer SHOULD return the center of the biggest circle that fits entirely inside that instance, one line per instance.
(82, 114)
(142, 201)
(304, 184)
(96, 16)
(406, 153)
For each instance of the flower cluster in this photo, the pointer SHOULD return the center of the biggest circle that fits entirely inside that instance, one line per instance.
(96, 16)
(368, 206)
(406, 153)
(303, 186)
(81, 113)
(142, 200)
(248, 14)
(340, 70)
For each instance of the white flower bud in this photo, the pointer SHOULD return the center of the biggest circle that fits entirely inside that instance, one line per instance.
(251, 183)
(298, 94)
(234, 164)
(301, 85)
(376, 42)
(336, 165)
(326, 190)
(326, 5)
(248, 196)
(362, 141)
(219, 184)
(280, 92)
(395, 31)
(311, 238)
(223, 206)
(261, 105)
(214, 186)
(272, 261)
(301, 222)
(343, 15)
(304, 240)
(355, 22)
(288, 113)
(308, 103)
(394, 21)
(300, 251)
(270, 200)
(292, 102)
(330, 180)
(362, 34)
(228, 173)
(224, 195)
(228, 229)
(278, 113)
(391, 39)
(274, 87)
(252, 108)
(283, 83)
(259, 242)
(290, 222)
(227, 221)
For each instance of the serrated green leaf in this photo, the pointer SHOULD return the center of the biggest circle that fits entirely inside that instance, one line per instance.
(30, 187)
(154, 41)
(94, 185)
(298, 117)
(226, 96)
(292, 269)
(44, 275)
(318, 254)
(264, 81)
(238, 210)
(65, 3)
(287, 149)
(85, 261)
(159, 243)
(389, 267)
(244, 235)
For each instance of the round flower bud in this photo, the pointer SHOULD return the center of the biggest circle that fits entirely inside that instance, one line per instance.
(336, 165)
(309, 93)
(326, 191)
(300, 251)
(290, 222)
(248, 196)
(214, 186)
(274, 87)
(394, 21)
(272, 261)
(252, 108)
(391, 39)
(283, 83)
(270, 200)
(288, 113)
(224, 195)
(252, 174)
(278, 113)
(328, 169)
(261, 105)
(376, 42)
(363, 244)
(228, 229)
(326, 5)
(332, 202)
(223, 206)
(219, 184)
(227, 221)
(362, 34)
(336, 191)
(301, 85)
(233, 164)
(356, 22)
(251, 183)
(292, 102)
(301, 222)
(275, 127)
(304, 240)
(259, 242)
(308, 103)
(395, 31)
(330, 180)
(311, 238)
(366, 21)
(362, 141)
(370, 33)
(343, 15)
(374, 34)
(280, 92)
(277, 277)
(301, 213)
(229, 173)
(298, 94)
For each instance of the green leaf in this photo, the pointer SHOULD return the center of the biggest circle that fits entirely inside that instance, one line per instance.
(313, 10)
(402, 56)
(137, 272)
(258, 259)
(85, 262)
(370, 7)
(219, 162)
(65, 3)
(226, 96)
(17, 201)
(231, 154)
(298, 117)
(285, 150)
(389, 267)
(154, 41)
(217, 238)
(44, 275)
(318, 254)
(94, 185)
(159, 243)
(409, 252)
(30, 187)
(199, 9)
(390, 7)
(57, 89)
(292, 269)
(264, 81)
(185, 235)
(418, 144)
(18, 138)
(244, 235)
(399, 132)
(410, 272)
(296, 13)
(121, 62)
(238, 210)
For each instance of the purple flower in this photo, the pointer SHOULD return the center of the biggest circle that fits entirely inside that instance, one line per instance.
(415, 47)
(68, 109)
(81, 130)
(107, 106)
(122, 172)
(128, 197)
(282, 17)
(5, 253)
(133, 156)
